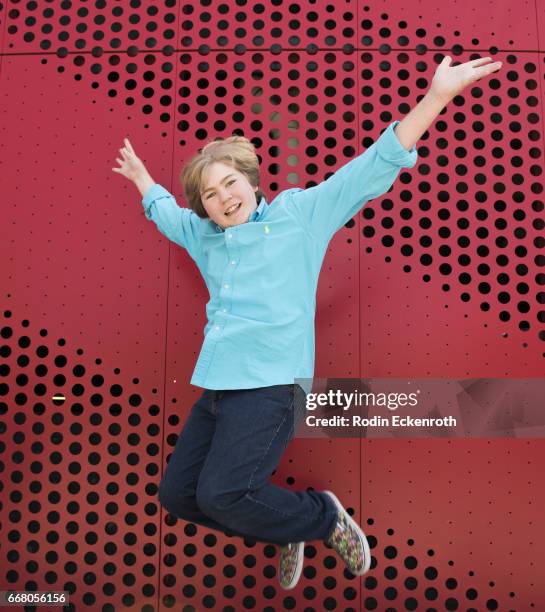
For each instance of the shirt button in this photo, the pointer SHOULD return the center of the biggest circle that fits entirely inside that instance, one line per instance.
(225, 310)
(229, 235)
(233, 262)
(217, 326)
(226, 286)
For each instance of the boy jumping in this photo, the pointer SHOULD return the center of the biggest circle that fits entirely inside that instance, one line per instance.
(261, 264)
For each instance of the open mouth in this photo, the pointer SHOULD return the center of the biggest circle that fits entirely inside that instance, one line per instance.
(233, 209)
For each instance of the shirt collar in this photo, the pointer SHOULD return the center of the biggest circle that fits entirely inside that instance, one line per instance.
(255, 216)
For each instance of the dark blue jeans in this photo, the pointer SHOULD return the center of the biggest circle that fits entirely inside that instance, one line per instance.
(218, 474)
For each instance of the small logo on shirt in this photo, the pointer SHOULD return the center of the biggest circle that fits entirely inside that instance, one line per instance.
(267, 229)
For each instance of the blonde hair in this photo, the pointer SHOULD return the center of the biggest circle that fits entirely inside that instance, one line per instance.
(235, 151)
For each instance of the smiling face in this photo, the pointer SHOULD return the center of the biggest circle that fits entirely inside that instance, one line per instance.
(228, 197)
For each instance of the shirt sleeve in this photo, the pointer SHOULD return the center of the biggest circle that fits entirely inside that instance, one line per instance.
(181, 225)
(325, 208)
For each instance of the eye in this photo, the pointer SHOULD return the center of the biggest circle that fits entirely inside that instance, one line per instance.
(228, 183)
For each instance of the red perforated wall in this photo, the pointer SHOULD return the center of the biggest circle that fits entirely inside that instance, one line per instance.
(102, 317)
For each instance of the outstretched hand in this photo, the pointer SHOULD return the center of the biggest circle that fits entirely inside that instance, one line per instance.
(449, 81)
(130, 166)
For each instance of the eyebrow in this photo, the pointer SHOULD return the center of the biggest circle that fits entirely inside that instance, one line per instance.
(223, 179)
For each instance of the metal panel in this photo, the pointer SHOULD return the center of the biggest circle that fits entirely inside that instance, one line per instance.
(87, 308)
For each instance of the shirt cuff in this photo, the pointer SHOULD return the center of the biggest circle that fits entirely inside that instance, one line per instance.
(153, 193)
(390, 149)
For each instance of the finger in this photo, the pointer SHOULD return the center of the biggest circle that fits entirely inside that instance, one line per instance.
(128, 145)
(486, 70)
(123, 153)
(479, 61)
(116, 169)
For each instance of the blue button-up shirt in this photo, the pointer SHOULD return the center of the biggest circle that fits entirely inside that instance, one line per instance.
(262, 275)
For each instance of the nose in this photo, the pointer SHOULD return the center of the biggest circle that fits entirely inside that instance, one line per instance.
(226, 196)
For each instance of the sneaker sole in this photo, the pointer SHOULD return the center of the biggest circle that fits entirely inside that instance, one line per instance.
(298, 567)
(361, 536)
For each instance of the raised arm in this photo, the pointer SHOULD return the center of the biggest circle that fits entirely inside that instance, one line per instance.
(180, 225)
(448, 81)
(326, 207)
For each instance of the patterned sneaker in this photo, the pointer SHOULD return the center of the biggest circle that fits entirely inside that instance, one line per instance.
(349, 541)
(291, 564)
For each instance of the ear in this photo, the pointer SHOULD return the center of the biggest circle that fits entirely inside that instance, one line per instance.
(256, 188)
